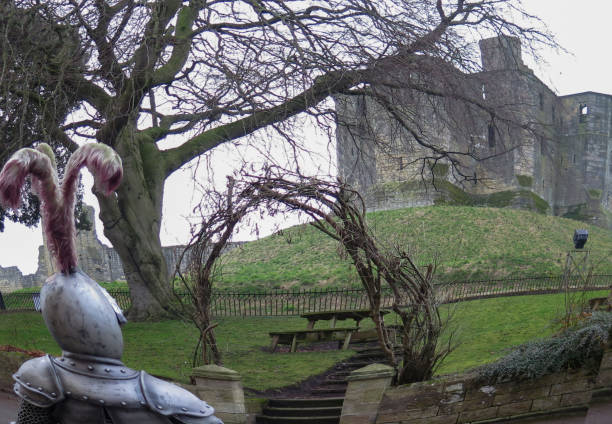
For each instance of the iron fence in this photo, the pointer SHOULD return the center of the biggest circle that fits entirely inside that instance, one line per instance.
(297, 302)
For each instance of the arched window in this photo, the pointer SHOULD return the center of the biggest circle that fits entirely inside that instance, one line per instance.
(583, 111)
(491, 135)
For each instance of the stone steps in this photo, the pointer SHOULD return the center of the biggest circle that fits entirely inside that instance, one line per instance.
(325, 411)
(263, 419)
(301, 411)
(326, 408)
(306, 403)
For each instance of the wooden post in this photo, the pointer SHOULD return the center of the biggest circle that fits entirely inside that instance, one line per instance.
(347, 340)
(294, 343)
(274, 343)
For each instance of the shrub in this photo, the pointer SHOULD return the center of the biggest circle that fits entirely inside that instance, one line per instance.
(575, 347)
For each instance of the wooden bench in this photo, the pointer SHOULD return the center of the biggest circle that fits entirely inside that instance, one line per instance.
(334, 316)
(321, 335)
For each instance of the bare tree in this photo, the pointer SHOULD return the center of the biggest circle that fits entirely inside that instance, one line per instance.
(212, 72)
(338, 211)
(221, 213)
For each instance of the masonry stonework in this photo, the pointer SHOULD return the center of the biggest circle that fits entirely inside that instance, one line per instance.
(573, 396)
(100, 262)
(563, 167)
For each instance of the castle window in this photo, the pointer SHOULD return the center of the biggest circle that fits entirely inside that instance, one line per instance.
(541, 100)
(484, 92)
(574, 158)
(583, 111)
(491, 136)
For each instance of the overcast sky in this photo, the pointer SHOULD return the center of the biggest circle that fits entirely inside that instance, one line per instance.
(583, 28)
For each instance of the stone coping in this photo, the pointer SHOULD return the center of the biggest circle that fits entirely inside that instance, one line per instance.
(371, 372)
(215, 372)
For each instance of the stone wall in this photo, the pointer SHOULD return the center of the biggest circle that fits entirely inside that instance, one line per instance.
(100, 262)
(221, 388)
(464, 399)
(565, 158)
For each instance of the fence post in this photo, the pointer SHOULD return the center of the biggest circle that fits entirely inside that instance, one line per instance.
(2, 305)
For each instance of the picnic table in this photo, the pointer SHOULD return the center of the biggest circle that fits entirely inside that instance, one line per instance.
(334, 316)
(333, 333)
(292, 337)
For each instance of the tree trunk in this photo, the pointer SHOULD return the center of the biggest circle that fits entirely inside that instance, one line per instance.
(132, 223)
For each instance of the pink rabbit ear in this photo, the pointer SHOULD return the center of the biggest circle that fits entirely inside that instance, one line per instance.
(12, 178)
(106, 166)
(102, 161)
(23, 163)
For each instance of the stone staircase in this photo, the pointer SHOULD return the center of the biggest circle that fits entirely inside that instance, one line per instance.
(296, 411)
(323, 405)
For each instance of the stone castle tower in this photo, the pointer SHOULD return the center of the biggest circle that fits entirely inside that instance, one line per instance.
(562, 165)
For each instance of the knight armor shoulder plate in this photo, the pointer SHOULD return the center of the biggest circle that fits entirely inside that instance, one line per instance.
(37, 383)
(170, 399)
(85, 384)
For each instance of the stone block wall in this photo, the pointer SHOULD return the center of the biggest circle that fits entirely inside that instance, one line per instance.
(566, 155)
(465, 398)
(222, 389)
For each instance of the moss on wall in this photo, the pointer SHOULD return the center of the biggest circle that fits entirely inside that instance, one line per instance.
(450, 194)
(540, 204)
(579, 213)
(594, 194)
(439, 169)
(525, 180)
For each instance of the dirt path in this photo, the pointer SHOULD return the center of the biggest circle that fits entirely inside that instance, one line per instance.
(8, 408)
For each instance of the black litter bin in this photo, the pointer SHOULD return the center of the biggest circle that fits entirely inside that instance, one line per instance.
(580, 238)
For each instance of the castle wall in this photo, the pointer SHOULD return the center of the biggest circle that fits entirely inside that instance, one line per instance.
(562, 154)
(100, 262)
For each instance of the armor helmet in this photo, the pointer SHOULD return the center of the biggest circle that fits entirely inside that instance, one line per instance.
(80, 316)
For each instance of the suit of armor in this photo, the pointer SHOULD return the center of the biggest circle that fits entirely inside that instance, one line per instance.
(88, 383)
(92, 385)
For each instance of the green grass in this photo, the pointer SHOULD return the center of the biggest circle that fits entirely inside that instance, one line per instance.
(486, 328)
(166, 348)
(468, 242)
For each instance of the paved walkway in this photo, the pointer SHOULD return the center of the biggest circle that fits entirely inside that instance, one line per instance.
(8, 408)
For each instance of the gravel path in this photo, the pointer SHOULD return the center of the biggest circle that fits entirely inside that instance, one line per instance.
(8, 408)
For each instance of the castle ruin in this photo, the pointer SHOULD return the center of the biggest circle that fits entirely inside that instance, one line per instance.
(560, 164)
(100, 262)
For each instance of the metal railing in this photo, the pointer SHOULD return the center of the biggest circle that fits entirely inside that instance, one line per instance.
(292, 303)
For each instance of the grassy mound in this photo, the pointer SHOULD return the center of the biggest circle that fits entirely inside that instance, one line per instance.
(468, 243)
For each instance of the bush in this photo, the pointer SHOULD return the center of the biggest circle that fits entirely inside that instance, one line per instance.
(578, 346)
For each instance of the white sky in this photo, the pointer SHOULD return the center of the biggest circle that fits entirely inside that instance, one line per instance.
(582, 28)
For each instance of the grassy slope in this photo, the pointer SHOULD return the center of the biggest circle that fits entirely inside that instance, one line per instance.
(470, 243)
(486, 327)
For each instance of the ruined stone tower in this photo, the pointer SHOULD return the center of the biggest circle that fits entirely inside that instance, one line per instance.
(561, 164)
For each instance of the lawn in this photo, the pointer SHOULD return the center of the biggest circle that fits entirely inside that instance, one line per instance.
(468, 243)
(486, 329)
